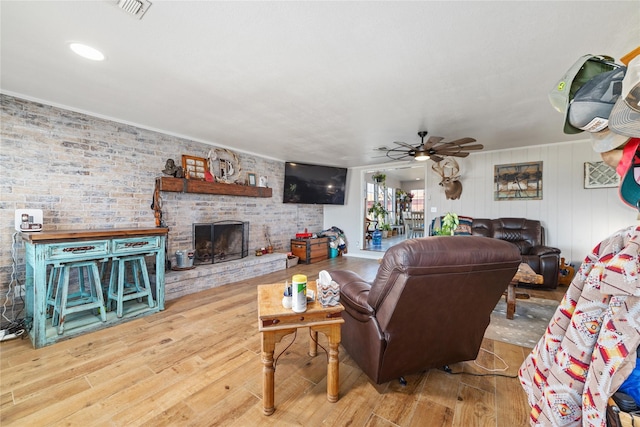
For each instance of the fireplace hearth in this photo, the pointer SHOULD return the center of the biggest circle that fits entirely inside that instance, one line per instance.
(220, 241)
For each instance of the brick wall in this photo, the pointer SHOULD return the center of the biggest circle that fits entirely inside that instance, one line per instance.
(85, 172)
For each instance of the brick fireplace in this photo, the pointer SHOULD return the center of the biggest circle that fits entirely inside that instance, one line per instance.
(220, 241)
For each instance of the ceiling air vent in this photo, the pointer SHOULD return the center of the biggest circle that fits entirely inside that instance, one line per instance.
(137, 8)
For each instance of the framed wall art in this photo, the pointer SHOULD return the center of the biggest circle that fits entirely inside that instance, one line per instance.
(194, 167)
(600, 175)
(251, 178)
(518, 181)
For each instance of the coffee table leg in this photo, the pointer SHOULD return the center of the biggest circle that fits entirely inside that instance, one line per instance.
(269, 341)
(313, 343)
(511, 300)
(268, 347)
(333, 372)
(333, 366)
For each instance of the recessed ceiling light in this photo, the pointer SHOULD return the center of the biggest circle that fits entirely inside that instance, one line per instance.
(87, 51)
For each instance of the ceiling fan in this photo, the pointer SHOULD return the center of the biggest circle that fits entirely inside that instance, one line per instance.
(433, 149)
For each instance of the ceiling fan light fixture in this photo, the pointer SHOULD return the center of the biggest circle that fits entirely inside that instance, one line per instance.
(433, 149)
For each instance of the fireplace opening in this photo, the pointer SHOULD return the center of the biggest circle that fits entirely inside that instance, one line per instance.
(220, 241)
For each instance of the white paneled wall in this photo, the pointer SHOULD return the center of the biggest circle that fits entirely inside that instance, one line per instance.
(575, 218)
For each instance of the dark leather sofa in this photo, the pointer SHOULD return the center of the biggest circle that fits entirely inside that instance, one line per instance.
(528, 236)
(428, 306)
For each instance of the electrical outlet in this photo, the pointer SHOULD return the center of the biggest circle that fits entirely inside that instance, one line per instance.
(20, 291)
(434, 209)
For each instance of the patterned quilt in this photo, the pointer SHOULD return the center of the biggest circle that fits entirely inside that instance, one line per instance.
(590, 345)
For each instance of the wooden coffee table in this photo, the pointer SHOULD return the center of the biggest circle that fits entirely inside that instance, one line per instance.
(276, 322)
(524, 275)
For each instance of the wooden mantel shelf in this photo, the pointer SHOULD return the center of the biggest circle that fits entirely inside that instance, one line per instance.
(181, 185)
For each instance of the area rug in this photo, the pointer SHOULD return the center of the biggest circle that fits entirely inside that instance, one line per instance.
(528, 324)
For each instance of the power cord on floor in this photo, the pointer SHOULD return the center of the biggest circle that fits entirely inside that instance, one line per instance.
(13, 331)
(15, 326)
(493, 373)
(275, 361)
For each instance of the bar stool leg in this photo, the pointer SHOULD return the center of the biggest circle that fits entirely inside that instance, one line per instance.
(120, 290)
(62, 305)
(67, 304)
(51, 299)
(97, 287)
(55, 317)
(112, 289)
(147, 283)
(120, 300)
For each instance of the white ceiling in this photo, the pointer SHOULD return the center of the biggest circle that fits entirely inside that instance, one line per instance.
(320, 82)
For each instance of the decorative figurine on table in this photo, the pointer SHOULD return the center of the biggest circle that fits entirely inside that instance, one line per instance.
(170, 168)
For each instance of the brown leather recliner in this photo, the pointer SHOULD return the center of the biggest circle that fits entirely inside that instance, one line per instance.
(528, 236)
(428, 306)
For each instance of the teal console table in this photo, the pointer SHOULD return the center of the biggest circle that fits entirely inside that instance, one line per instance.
(49, 248)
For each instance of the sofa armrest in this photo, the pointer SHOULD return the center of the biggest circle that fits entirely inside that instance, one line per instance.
(354, 291)
(543, 250)
(545, 260)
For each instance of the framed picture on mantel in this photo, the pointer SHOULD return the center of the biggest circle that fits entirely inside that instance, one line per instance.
(251, 178)
(194, 167)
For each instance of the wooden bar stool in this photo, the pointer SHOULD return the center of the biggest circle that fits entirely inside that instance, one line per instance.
(55, 283)
(120, 290)
(88, 297)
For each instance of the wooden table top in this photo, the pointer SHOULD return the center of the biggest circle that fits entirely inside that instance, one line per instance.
(63, 235)
(273, 316)
(525, 274)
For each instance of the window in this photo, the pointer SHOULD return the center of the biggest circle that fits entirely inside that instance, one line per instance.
(390, 205)
(382, 194)
(371, 197)
(417, 202)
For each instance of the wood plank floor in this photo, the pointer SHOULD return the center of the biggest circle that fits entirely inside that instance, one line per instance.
(198, 364)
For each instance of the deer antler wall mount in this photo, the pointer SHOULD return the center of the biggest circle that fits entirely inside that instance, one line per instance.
(448, 170)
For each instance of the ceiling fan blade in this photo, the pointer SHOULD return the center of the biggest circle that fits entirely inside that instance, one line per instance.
(452, 153)
(460, 154)
(444, 152)
(433, 140)
(452, 146)
(462, 141)
(434, 146)
(404, 144)
(473, 147)
(397, 154)
(399, 151)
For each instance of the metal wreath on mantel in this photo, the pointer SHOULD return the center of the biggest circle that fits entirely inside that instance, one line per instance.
(222, 156)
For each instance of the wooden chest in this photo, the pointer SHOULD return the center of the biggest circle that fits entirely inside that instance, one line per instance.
(310, 250)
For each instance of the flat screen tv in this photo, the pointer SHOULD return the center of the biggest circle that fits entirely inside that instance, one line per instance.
(314, 184)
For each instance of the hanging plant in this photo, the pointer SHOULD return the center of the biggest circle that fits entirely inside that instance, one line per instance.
(379, 177)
